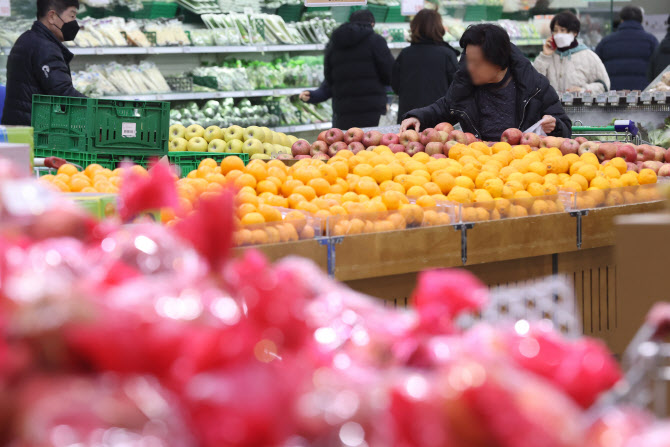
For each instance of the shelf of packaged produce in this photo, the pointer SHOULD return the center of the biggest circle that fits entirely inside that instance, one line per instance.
(191, 96)
(303, 127)
(103, 51)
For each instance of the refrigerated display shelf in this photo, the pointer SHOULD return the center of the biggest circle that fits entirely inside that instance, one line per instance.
(190, 96)
(303, 127)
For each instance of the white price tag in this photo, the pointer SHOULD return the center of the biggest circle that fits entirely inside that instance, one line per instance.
(129, 130)
(410, 7)
(5, 9)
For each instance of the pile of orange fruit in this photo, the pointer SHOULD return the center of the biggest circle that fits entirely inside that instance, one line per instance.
(94, 179)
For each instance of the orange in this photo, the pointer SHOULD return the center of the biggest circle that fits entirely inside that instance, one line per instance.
(328, 173)
(557, 165)
(494, 187)
(571, 185)
(306, 191)
(620, 164)
(92, 169)
(437, 164)
(432, 188)
(269, 213)
(245, 208)
(363, 170)
(464, 182)
(60, 185)
(289, 185)
(416, 191)
(246, 198)
(583, 182)
(483, 197)
(647, 177)
(500, 147)
(445, 182)
(307, 206)
(524, 198)
(277, 201)
(352, 181)
(216, 178)
(297, 219)
(305, 174)
(630, 179)
(588, 171)
(574, 167)
(426, 202)
(590, 158)
(234, 175)
(321, 186)
(231, 163)
(482, 178)
(210, 162)
(257, 170)
(245, 180)
(506, 172)
(421, 157)
(89, 189)
(391, 186)
(68, 169)
(470, 170)
(532, 177)
(381, 173)
(368, 188)
(340, 187)
(277, 164)
(392, 199)
(460, 194)
(341, 167)
(412, 213)
(214, 187)
(266, 186)
(252, 219)
(278, 173)
(611, 172)
(350, 197)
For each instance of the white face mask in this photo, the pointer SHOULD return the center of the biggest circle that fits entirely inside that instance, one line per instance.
(563, 40)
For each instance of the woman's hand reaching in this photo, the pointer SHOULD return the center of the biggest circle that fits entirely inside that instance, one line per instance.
(410, 123)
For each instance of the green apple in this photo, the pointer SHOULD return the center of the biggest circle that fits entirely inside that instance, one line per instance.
(255, 133)
(177, 131)
(217, 145)
(270, 149)
(291, 140)
(233, 133)
(194, 131)
(177, 145)
(197, 144)
(213, 133)
(269, 135)
(279, 149)
(253, 146)
(261, 157)
(235, 146)
(276, 138)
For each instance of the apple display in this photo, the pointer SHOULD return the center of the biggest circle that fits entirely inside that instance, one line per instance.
(301, 147)
(260, 157)
(606, 151)
(660, 153)
(552, 142)
(268, 135)
(512, 136)
(372, 138)
(194, 131)
(667, 156)
(334, 135)
(434, 147)
(253, 133)
(178, 145)
(321, 156)
(581, 140)
(444, 127)
(569, 146)
(318, 146)
(177, 131)
(233, 133)
(430, 135)
(409, 136)
(302, 157)
(665, 170)
(217, 145)
(356, 147)
(213, 133)
(235, 146)
(458, 136)
(253, 146)
(336, 147)
(284, 157)
(633, 167)
(444, 136)
(197, 144)
(397, 147)
(439, 156)
(354, 134)
(531, 139)
(322, 136)
(389, 139)
(269, 149)
(653, 165)
(645, 153)
(627, 152)
(414, 147)
(589, 146)
(470, 138)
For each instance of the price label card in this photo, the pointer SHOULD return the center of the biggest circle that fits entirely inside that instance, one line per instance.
(5, 8)
(660, 97)
(645, 97)
(587, 98)
(601, 98)
(568, 98)
(128, 130)
(410, 7)
(632, 98)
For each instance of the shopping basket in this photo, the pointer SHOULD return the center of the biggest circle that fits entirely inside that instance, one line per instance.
(622, 130)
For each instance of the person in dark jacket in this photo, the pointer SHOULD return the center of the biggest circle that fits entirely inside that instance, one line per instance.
(661, 57)
(424, 70)
(495, 88)
(357, 68)
(626, 52)
(317, 96)
(39, 62)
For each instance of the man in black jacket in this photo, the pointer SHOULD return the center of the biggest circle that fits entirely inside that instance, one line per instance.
(660, 60)
(495, 88)
(39, 62)
(357, 68)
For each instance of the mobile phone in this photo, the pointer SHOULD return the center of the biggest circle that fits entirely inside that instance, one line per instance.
(553, 43)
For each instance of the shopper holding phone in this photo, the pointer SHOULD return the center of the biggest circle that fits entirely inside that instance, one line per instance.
(569, 65)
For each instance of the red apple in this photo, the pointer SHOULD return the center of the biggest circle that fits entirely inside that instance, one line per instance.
(512, 136)
(409, 136)
(430, 135)
(458, 136)
(356, 147)
(353, 134)
(334, 135)
(552, 142)
(444, 127)
(470, 138)
(300, 147)
(627, 152)
(321, 156)
(653, 165)
(397, 147)
(589, 146)
(434, 147)
(531, 139)
(581, 140)
(645, 152)
(322, 136)
(302, 157)
(439, 156)
(444, 136)
(606, 151)
(284, 157)
(318, 146)
(667, 156)
(633, 167)
(414, 147)
(336, 147)
(372, 138)
(569, 146)
(389, 139)
(665, 170)
(660, 153)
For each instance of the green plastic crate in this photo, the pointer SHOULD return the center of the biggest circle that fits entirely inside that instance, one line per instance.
(379, 12)
(189, 161)
(475, 13)
(494, 13)
(157, 10)
(394, 15)
(340, 13)
(83, 159)
(290, 13)
(101, 125)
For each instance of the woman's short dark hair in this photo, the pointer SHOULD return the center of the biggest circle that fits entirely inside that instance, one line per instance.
(427, 25)
(631, 12)
(362, 16)
(493, 40)
(44, 6)
(567, 20)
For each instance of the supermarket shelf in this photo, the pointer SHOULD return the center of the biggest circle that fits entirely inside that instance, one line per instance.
(304, 127)
(212, 95)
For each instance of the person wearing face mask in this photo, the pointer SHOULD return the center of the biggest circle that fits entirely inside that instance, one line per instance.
(39, 62)
(494, 89)
(569, 65)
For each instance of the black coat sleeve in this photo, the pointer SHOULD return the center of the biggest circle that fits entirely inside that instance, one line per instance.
(396, 75)
(327, 65)
(432, 115)
(452, 66)
(551, 105)
(383, 59)
(321, 94)
(54, 76)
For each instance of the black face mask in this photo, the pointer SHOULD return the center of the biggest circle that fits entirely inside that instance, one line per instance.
(69, 29)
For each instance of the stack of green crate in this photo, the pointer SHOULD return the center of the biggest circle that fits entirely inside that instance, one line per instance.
(379, 12)
(104, 131)
(290, 13)
(394, 15)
